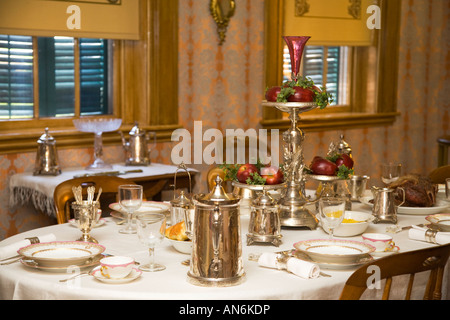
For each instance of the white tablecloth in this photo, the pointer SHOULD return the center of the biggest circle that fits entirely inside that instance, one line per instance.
(25, 187)
(20, 282)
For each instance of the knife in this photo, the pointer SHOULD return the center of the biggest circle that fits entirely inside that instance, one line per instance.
(107, 173)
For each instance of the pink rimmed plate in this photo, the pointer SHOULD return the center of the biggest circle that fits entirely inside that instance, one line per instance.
(334, 250)
(61, 253)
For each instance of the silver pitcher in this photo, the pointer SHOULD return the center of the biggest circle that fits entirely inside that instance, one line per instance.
(46, 157)
(216, 259)
(182, 205)
(265, 225)
(136, 149)
(384, 207)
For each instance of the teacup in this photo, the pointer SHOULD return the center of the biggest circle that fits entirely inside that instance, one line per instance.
(116, 267)
(382, 242)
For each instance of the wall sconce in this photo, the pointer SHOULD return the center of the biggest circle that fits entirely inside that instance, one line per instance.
(222, 11)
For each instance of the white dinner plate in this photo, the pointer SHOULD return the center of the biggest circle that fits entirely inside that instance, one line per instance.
(145, 207)
(438, 207)
(334, 251)
(61, 253)
(64, 269)
(335, 266)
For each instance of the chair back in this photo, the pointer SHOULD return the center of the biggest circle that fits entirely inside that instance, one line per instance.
(407, 263)
(439, 174)
(63, 194)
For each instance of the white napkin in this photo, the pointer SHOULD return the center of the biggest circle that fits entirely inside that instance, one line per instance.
(10, 250)
(303, 269)
(418, 233)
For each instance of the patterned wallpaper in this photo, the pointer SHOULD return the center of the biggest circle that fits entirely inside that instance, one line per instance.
(222, 86)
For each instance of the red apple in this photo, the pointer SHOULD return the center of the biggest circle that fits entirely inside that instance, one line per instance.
(273, 175)
(272, 93)
(323, 166)
(244, 172)
(346, 160)
(302, 95)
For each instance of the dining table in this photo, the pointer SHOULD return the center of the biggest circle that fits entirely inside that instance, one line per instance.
(21, 281)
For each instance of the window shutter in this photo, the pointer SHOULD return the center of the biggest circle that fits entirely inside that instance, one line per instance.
(94, 75)
(16, 77)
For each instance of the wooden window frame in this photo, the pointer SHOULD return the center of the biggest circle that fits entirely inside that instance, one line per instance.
(144, 87)
(373, 94)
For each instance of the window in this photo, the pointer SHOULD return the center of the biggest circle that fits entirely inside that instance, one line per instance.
(325, 66)
(56, 70)
(142, 85)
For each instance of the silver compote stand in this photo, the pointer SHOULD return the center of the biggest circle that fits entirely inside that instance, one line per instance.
(293, 211)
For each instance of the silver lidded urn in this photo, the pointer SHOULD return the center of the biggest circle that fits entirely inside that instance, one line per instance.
(216, 259)
(46, 157)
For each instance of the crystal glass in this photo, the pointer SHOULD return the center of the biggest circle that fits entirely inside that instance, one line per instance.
(85, 214)
(130, 199)
(151, 227)
(98, 126)
(331, 211)
(390, 172)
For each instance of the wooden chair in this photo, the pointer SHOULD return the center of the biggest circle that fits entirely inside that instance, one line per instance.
(63, 194)
(412, 262)
(439, 175)
(443, 145)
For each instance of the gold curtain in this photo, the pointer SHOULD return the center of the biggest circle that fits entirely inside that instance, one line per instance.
(108, 19)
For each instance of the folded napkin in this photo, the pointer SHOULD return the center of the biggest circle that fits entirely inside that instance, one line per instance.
(296, 266)
(418, 233)
(11, 249)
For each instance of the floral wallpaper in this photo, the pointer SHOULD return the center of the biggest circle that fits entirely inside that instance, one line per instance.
(222, 86)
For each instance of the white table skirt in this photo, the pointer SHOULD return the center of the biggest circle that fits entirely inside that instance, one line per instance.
(26, 188)
(20, 282)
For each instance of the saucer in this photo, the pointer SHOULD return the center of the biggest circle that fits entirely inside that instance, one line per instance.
(134, 274)
(385, 253)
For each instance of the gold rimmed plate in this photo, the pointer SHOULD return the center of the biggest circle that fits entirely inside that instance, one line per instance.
(61, 253)
(145, 207)
(334, 251)
(439, 206)
(86, 264)
(335, 266)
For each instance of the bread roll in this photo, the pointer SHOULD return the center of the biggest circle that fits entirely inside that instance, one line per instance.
(177, 232)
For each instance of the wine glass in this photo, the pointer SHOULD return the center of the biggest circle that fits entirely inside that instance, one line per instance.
(331, 210)
(151, 227)
(390, 172)
(130, 199)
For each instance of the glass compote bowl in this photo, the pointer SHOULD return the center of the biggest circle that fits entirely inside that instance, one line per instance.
(98, 126)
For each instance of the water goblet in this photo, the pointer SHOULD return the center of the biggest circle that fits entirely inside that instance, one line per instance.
(130, 199)
(151, 227)
(390, 172)
(331, 211)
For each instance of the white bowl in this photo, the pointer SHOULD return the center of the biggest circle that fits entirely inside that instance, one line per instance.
(182, 246)
(355, 228)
